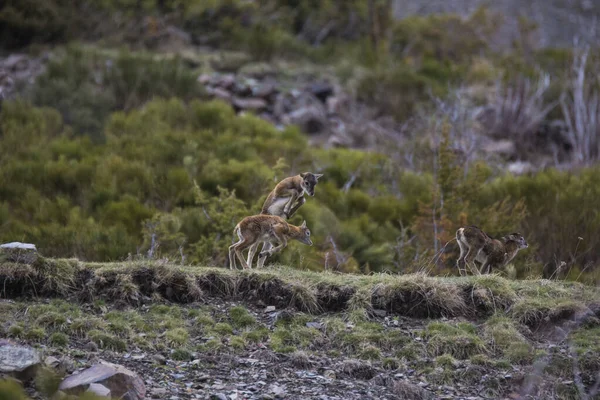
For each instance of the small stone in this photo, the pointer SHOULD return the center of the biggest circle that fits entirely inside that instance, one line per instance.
(329, 374)
(52, 362)
(91, 346)
(158, 393)
(380, 313)
(219, 396)
(270, 309)
(315, 325)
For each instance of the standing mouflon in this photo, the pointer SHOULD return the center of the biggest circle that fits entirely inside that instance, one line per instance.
(476, 245)
(257, 229)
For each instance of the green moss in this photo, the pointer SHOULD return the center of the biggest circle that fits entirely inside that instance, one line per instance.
(203, 320)
(16, 330)
(107, 341)
(370, 353)
(455, 340)
(445, 361)
(35, 334)
(223, 328)
(58, 339)
(177, 337)
(181, 354)
(240, 317)
(52, 320)
(481, 359)
(237, 343)
(81, 326)
(257, 335)
(213, 345)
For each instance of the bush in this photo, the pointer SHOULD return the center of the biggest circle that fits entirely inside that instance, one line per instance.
(151, 185)
(85, 86)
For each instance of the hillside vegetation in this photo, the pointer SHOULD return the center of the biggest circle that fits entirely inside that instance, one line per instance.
(395, 336)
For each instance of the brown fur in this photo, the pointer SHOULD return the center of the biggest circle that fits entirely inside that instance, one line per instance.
(288, 196)
(258, 229)
(476, 245)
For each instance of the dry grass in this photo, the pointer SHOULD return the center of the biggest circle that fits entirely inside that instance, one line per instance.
(413, 295)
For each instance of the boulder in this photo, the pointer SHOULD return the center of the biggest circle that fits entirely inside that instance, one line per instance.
(24, 253)
(264, 90)
(220, 93)
(251, 104)
(321, 90)
(311, 119)
(225, 81)
(18, 361)
(121, 382)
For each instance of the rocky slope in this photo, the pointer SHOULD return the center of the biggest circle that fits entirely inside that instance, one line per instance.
(193, 332)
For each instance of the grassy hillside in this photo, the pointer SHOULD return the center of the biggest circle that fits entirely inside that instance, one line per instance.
(393, 335)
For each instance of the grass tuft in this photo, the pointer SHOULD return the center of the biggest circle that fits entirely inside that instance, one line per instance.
(458, 341)
(35, 334)
(107, 341)
(240, 317)
(177, 337)
(181, 354)
(59, 339)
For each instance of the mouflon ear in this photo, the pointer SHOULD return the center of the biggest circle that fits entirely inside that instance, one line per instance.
(317, 176)
(303, 225)
(303, 174)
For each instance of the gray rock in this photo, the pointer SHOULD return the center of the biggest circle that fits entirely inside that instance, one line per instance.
(321, 90)
(121, 382)
(91, 346)
(52, 362)
(315, 325)
(220, 93)
(99, 390)
(19, 361)
(204, 79)
(254, 104)
(24, 253)
(311, 119)
(158, 393)
(505, 148)
(264, 90)
(380, 313)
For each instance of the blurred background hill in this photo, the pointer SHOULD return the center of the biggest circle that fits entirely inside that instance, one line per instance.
(137, 128)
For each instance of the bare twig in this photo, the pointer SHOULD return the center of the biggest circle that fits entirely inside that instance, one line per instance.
(581, 108)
